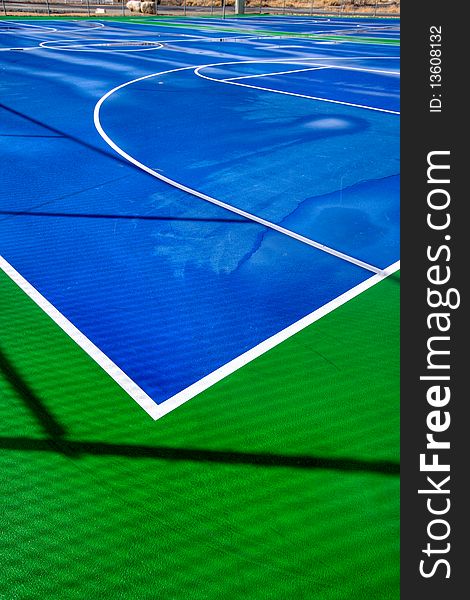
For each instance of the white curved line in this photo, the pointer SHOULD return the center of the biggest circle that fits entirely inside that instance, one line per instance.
(197, 71)
(20, 25)
(94, 45)
(193, 192)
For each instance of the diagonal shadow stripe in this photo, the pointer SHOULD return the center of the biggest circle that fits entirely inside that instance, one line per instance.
(56, 442)
(382, 467)
(48, 422)
(62, 134)
(33, 213)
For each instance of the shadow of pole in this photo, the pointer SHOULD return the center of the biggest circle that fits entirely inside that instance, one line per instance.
(56, 442)
(34, 213)
(254, 459)
(49, 424)
(62, 134)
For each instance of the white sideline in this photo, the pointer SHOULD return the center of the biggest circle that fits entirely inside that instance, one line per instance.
(197, 71)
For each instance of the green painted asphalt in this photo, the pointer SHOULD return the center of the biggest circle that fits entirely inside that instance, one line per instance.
(280, 482)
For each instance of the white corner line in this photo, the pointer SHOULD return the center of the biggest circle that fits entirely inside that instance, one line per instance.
(243, 213)
(154, 410)
(247, 357)
(123, 380)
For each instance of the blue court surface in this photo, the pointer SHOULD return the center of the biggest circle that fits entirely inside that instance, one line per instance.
(182, 191)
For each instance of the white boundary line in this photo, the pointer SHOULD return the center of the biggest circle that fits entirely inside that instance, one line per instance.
(81, 340)
(198, 194)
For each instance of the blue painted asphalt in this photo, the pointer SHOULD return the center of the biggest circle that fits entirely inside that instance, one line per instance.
(169, 286)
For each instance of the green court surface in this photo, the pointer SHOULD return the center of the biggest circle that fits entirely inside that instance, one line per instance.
(280, 482)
